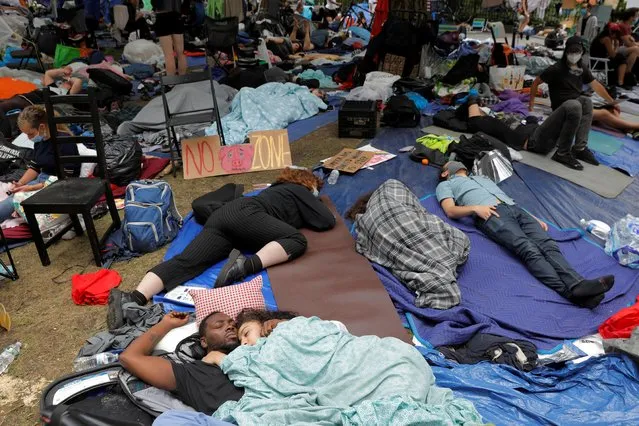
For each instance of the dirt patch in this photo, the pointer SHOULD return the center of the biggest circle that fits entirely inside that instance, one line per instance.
(52, 329)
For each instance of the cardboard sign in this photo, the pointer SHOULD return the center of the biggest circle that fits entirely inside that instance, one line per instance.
(349, 160)
(267, 150)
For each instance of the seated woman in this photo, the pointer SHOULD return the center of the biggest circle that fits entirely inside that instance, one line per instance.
(606, 45)
(267, 223)
(33, 122)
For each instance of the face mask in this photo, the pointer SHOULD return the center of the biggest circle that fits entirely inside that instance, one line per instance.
(315, 192)
(574, 58)
(38, 138)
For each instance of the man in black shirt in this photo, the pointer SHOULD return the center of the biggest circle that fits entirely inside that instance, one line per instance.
(202, 386)
(572, 108)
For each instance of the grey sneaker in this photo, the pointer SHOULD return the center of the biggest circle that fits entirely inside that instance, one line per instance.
(115, 315)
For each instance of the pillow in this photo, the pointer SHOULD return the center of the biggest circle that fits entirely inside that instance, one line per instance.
(230, 299)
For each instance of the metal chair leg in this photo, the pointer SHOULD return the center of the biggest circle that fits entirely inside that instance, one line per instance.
(178, 157)
(93, 238)
(37, 238)
(13, 272)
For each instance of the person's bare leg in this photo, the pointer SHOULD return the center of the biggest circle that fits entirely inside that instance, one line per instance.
(272, 254)
(76, 86)
(621, 73)
(178, 47)
(166, 43)
(633, 52)
(611, 120)
(150, 285)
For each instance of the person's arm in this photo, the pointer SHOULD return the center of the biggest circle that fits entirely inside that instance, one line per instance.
(456, 212)
(610, 48)
(533, 93)
(51, 75)
(153, 370)
(314, 213)
(293, 35)
(628, 41)
(214, 358)
(276, 40)
(27, 177)
(27, 188)
(307, 37)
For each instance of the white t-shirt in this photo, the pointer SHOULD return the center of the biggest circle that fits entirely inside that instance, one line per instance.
(331, 4)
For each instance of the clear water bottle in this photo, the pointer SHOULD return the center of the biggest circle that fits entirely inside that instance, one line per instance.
(86, 362)
(8, 355)
(332, 178)
(595, 227)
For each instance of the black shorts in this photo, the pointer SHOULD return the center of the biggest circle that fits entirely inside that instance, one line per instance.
(168, 23)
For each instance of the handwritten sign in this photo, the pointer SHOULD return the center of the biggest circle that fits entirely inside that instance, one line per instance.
(266, 150)
(349, 160)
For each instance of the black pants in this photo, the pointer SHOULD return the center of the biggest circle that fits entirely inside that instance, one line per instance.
(496, 128)
(520, 233)
(243, 224)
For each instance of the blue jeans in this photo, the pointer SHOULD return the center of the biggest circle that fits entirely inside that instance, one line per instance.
(6, 205)
(520, 233)
(187, 418)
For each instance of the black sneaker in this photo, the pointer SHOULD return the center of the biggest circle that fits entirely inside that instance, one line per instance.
(585, 155)
(115, 315)
(233, 270)
(567, 160)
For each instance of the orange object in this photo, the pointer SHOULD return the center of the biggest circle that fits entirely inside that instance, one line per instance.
(10, 87)
(425, 161)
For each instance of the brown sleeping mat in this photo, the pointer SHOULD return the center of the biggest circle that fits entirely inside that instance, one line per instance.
(334, 282)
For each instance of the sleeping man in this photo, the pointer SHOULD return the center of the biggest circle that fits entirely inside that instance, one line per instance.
(497, 216)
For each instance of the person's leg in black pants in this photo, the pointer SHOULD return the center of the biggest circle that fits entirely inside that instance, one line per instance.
(506, 231)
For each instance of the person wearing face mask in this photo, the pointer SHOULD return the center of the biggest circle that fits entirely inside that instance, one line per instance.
(571, 118)
(267, 223)
(32, 121)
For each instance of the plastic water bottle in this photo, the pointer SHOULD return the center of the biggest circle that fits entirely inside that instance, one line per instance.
(596, 227)
(8, 355)
(332, 178)
(86, 362)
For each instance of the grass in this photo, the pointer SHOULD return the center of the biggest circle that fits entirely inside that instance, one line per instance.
(52, 328)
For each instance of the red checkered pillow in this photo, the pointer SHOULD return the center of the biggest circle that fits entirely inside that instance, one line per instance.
(230, 299)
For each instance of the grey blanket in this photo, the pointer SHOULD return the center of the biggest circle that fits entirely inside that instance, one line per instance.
(137, 320)
(183, 98)
(625, 346)
(419, 249)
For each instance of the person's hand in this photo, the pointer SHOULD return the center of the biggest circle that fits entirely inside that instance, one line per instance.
(67, 71)
(269, 326)
(543, 225)
(214, 358)
(485, 212)
(19, 188)
(175, 319)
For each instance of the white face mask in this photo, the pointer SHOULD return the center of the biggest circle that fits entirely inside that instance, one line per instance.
(574, 58)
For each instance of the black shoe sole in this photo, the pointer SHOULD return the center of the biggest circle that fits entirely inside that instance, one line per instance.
(222, 277)
(570, 166)
(115, 317)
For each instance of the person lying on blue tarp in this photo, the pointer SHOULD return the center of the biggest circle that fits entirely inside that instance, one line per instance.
(498, 216)
(310, 371)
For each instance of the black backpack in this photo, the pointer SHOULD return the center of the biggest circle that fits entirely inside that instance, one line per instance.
(468, 149)
(401, 112)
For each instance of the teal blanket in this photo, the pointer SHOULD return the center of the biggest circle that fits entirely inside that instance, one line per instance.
(309, 372)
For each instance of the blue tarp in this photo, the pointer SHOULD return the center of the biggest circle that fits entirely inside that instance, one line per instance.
(600, 391)
(500, 296)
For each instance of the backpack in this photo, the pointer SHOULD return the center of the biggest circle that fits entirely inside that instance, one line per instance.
(150, 216)
(401, 112)
(470, 148)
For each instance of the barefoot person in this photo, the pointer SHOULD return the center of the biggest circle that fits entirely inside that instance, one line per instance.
(268, 224)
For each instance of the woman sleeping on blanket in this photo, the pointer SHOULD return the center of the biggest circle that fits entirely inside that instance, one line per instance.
(310, 371)
(267, 223)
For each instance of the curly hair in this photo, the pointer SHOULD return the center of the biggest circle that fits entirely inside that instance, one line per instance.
(301, 177)
(359, 207)
(261, 316)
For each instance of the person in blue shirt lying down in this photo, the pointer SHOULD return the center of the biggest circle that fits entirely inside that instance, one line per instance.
(498, 216)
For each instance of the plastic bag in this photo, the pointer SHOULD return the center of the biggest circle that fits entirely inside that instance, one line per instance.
(510, 77)
(123, 158)
(623, 241)
(493, 165)
(144, 52)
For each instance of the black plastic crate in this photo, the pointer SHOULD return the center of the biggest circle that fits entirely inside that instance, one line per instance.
(358, 119)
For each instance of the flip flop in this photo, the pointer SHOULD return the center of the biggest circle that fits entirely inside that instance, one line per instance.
(5, 319)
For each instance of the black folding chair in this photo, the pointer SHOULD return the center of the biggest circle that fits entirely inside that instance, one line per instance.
(222, 37)
(30, 52)
(198, 116)
(71, 195)
(7, 272)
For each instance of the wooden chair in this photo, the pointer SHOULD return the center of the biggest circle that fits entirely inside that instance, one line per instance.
(70, 195)
(177, 119)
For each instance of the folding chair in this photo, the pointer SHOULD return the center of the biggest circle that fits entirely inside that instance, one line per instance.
(478, 24)
(71, 195)
(32, 51)
(176, 119)
(597, 71)
(497, 30)
(222, 37)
